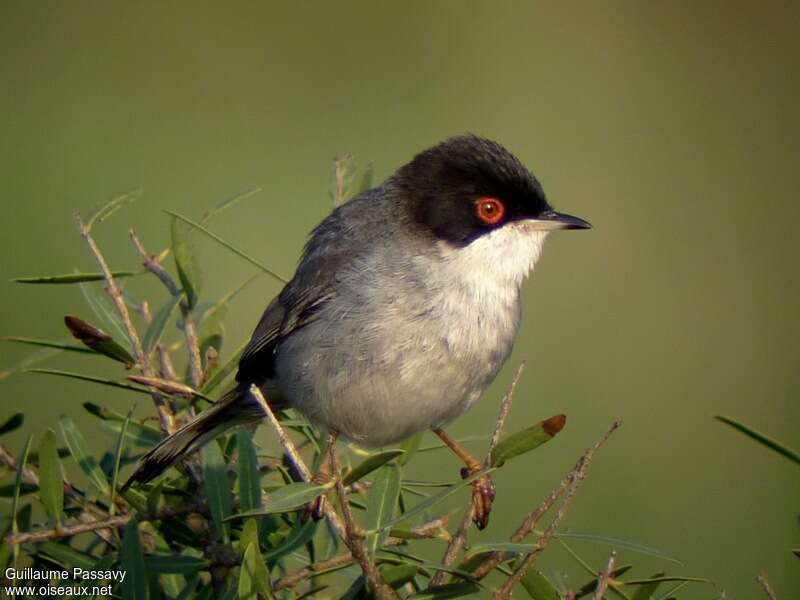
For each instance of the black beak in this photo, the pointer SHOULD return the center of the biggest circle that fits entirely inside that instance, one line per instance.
(551, 219)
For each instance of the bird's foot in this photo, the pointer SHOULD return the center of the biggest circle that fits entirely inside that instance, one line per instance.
(483, 495)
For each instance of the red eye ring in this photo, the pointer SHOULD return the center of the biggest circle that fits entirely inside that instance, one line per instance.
(490, 210)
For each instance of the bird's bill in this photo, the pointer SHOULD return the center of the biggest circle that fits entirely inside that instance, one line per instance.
(551, 220)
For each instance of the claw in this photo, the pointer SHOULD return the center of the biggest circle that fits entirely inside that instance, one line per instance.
(483, 494)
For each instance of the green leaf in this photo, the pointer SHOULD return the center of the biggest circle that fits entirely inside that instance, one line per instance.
(218, 489)
(538, 586)
(117, 457)
(103, 308)
(249, 479)
(616, 542)
(397, 576)
(369, 464)
(159, 323)
(174, 563)
(185, 262)
(526, 440)
(73, 277)
(450, 590)
(48, 344)
(228, 202)
(132, 562)
(646, 591)
(112, 206)
(65, 555)
(301, 534)
(137, 434)
(762, 439)
(77, 447)
(381, 502)
(21, 462)
(91, 378)
(13, 423)
(227, 245)
(253, 576)
(410, 447)
(432, 501)
(288, 498)
(51, 479)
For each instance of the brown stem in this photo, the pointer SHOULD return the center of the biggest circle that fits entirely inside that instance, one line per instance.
(764, 582)
(459, 540)
(189, 329)
(164, 414)
(572, 481)
(605, 577)
(353, 540)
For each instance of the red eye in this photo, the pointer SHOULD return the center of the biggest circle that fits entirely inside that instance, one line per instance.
(490, 210)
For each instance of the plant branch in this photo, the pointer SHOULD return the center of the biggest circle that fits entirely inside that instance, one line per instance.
(164, 414)
(189, 328)
(570, 484)
(459, 540)
(605, 577)
(764, 583)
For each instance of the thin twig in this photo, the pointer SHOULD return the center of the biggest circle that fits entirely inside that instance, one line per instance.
(374, 578)
(764, 582)
(459, 539)
(164, 414)
(425, 531)
(189, 328)
(294, 457)
(97, 525)
(605, 577)
(573, 481)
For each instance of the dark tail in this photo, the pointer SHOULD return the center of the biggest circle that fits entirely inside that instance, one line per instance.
(236, 407)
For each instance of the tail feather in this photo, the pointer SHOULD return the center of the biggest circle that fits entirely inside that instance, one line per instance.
(236, 407)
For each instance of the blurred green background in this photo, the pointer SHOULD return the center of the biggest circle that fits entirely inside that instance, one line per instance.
(672, 127)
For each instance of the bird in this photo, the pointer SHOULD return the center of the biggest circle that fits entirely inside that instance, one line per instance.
(404, 306)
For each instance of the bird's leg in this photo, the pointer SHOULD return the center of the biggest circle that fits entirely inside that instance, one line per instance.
(323, 475)
(482, 488)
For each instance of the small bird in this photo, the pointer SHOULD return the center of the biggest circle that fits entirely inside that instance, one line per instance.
(404, 307)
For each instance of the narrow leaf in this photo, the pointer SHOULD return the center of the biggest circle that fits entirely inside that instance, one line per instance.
(249, 479)
(51, 487)
(112, 206)
(397, 576)
(762, 439)
(432, 501)
(228, 202)
(103, 308)
(137, 434)
(132, 563)
(174, 563)
(646, 591)
(526, 440)
(47, 344)
(73, 277)
(77, 447)
(287, 498)
(538, 586)
(253, 576)
(381, 502)
(451, 590)
(65, 555)
(222, 372)
(185, 262)
(97, 340)
(92, 378)
(218, 489)
(159, 323)
(13, 423)
(117, 457)
(301, 534)
(342, 176)
(370, 464)
(21, 462)
(227, 245)
(616, 542)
